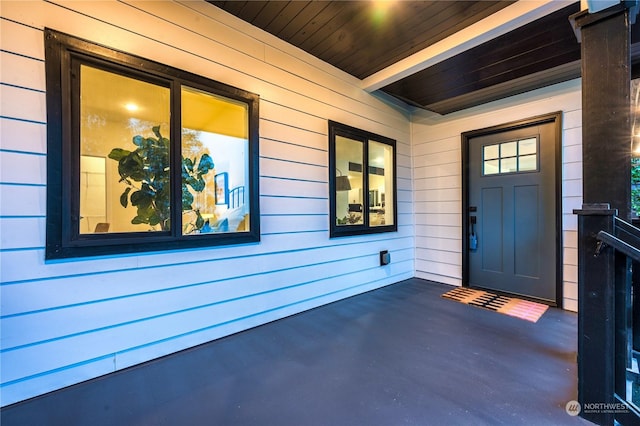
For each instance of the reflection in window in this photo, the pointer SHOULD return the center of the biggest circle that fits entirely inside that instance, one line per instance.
(510, 157)
(363, 198)
(144, 156)
(93, 194)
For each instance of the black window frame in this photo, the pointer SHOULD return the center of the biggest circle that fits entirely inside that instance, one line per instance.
(63, 240)
(335, 230)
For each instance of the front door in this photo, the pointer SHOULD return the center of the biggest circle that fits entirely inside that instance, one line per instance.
(512, 232)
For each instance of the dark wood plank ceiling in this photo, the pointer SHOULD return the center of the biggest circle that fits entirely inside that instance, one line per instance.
(535, 55)
(362, 40)
(361, 37)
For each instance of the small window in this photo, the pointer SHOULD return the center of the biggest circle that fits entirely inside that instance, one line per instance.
(510, 157)
(142, 156)
(362, 181)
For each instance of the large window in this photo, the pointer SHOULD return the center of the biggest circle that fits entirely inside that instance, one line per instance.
(142, 156)
(362, 181)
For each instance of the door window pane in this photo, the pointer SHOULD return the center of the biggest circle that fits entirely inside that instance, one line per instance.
(508, 165)
(491, 167)
(124, 167)
(527, 146)
(510, 157)
(509, 149)
(491, 152)
(527, 163)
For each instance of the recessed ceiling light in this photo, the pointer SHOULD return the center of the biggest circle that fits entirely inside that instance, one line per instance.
(131, 107)
(380, 10)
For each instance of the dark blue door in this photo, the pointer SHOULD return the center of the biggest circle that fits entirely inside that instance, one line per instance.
(512, 200)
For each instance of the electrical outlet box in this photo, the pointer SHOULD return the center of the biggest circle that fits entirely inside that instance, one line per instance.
(385, 257)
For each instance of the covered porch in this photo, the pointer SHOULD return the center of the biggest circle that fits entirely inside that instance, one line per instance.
(401, 354)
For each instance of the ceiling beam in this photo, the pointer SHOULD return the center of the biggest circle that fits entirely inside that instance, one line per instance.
(501, 22)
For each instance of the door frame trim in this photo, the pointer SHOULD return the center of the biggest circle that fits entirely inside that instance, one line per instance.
(556, 118)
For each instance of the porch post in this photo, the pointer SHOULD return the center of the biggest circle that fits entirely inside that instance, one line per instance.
(606, 177)
(596, 331)
(605, 39)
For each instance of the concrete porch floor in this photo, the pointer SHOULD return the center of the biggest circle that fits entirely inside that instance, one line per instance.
(400, 355)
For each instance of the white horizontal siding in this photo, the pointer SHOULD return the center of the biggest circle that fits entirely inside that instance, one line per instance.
(106, 313)
(273, 149)
(23, 136)
(149, 318)
(23, 168)
(571, 199)
(438, 173)
(21, 71)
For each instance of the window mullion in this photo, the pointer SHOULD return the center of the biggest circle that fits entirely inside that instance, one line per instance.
(366, 200)
(176, 159)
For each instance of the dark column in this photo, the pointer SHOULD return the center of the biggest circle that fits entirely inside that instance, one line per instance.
(595, 313)
(606, 165)
(606, 125)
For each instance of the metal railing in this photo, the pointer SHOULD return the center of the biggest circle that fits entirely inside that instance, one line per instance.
(617, 254)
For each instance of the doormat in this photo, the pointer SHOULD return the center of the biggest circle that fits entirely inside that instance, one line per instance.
(523, 309)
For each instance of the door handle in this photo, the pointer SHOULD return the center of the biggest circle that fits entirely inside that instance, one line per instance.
(473, 237)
